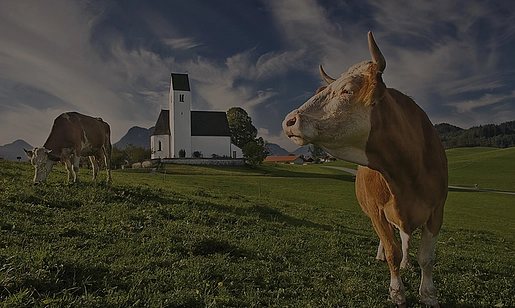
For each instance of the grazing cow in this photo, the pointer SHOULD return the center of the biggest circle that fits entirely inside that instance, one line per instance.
(401, 180)
(73, 135)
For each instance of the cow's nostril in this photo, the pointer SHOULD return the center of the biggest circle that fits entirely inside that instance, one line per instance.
(291, 122)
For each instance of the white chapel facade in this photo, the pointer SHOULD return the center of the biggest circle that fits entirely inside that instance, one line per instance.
(179, 129)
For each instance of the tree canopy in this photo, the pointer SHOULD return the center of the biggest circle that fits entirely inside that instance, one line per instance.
(241, 127)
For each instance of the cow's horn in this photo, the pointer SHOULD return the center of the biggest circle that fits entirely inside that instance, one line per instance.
(326, 77)
(376, 54)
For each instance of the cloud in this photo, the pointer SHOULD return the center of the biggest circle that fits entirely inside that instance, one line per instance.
(53, 54)
(181, 43)
(483, 101)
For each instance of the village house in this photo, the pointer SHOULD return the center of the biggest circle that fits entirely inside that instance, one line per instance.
(297, 160)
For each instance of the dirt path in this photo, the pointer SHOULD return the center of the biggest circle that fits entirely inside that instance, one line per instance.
(353, 172)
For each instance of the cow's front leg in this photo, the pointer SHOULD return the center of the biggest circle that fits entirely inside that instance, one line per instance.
(393, 255)
(94, 166)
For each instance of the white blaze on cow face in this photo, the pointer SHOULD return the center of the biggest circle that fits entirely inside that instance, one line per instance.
(41, 162)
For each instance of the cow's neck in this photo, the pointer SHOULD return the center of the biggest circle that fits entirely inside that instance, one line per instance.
(403, 145)
(55, 147)
(352, 154)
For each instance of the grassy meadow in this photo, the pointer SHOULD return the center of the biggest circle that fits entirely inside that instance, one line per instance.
(276, 236)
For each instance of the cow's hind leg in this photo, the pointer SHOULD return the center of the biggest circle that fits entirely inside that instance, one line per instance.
(405, 250)
(405, 238)
(76, 163)
(425, 255)
(107, 161)
(94, 166)
(69, 168)
(380, 252)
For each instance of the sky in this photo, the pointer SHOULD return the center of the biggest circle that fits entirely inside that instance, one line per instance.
(113, 58)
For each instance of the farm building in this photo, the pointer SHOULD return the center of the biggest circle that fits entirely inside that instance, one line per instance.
(194, 133)
(297, 160)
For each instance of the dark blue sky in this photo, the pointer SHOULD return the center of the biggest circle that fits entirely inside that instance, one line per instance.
(114, 58)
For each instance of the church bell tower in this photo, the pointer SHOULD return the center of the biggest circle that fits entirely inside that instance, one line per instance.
(180, 115)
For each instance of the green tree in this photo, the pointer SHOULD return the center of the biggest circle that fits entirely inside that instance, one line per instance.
(118, 157)
(136, 154)
(240, 125)
(255, 151)
(317, 153)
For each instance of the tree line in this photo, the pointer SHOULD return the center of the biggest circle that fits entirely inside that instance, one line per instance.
(490, 135)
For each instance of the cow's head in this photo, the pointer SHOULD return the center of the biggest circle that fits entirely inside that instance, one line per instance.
(40, 159)
(337, 118)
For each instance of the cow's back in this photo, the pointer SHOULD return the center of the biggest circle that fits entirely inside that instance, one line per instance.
(85, 134)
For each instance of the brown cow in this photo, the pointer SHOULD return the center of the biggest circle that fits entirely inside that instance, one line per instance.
(402, 178)
(73, 135)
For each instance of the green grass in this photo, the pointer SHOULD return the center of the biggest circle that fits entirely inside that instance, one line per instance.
(489, 168)
(276, 236)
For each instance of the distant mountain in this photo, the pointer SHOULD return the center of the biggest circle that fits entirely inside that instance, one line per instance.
(303, 150)
(137, 136)
(12, 151)
(276, 150)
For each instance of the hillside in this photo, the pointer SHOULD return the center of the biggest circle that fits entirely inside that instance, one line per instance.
(488, 168)
(490, 135)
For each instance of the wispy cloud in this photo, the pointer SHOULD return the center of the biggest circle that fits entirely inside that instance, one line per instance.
(483, 101)
(184, 43)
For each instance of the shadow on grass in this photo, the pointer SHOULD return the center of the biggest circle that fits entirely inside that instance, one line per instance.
(270, 214)
(313, 175)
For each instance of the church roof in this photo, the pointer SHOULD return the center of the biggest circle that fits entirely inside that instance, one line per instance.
(163, 123)
(180, 82)
(203, 123)
(209, 123)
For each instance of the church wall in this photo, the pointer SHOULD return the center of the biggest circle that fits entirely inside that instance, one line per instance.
(155, 151)
(209, 145)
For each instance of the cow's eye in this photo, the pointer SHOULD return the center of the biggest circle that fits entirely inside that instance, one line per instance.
(348, 91)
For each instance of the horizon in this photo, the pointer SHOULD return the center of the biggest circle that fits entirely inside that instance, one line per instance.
(291, 151)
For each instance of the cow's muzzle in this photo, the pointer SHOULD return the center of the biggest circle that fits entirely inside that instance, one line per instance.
(290, 123)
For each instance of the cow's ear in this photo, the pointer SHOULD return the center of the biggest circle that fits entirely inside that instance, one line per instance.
(321, 89)
(29, 154)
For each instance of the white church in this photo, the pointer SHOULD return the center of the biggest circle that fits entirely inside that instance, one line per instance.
(180, 129)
